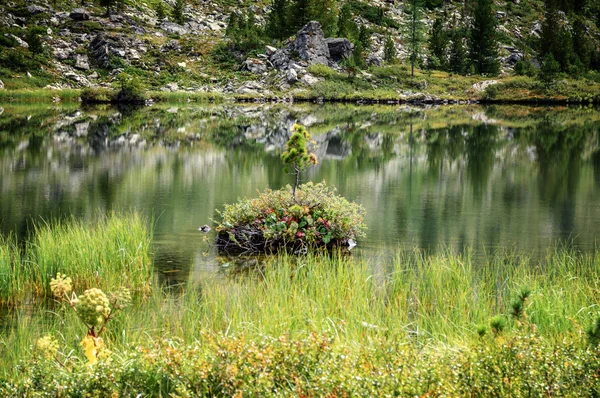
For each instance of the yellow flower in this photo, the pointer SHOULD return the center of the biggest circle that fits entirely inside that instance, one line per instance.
(61, 285)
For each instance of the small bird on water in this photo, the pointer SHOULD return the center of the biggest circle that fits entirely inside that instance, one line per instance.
(205, 228)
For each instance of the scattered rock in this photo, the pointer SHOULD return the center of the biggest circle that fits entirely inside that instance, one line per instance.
(1, 85)
(309, 79)
(82, 62)
(99, 50)
(280, 58)
(481, 86)
(34, 9)
(339, 48)
(310, 44)
(171, 87)
(251, 87)
(270, 50)
(79, 14)
(78, 79)
(172, 28)
(255, 66)
(292, 76)
(513, 58)
(20, 42)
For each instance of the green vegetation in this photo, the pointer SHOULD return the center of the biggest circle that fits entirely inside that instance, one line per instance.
(99, 254)
(311, 217)
(337, 324)
(483, 41)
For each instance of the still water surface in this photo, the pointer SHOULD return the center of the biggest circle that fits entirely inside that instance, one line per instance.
(451, 177)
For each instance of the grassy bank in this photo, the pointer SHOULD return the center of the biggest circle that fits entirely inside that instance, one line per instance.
(320, 325)
(105, 254)
(389, 84)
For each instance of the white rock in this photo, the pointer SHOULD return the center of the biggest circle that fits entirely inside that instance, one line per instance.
(292, 75)
(309, 79)
(481, 86)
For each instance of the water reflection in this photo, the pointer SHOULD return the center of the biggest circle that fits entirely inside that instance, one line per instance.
(453, 176)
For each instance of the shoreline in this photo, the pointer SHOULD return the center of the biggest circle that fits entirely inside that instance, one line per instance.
(74, 95)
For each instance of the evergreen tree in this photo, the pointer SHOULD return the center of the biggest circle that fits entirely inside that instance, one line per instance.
(299, 14)
(549, 70)
(414, 30)
(364, 36)
(555, 39)
(232, 26)
(178, 12)
(389, 51)
(457, 62)
(483, 45)
(438, 46)
(109, 4)
(32, 37)
(324, 11)
(345, 23)
(582, 47)
(160, 11)
(277, 20)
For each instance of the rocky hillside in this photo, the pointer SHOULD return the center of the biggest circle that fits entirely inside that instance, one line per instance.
(66, 44)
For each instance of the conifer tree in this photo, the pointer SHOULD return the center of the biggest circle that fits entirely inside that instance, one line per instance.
(277, 20)
(457, 61)
(414, 30)
(324, 11)
(582, 47)
(299, 14)
(438, 45)
(160, 10)
(483, 44)
(364, 36)
(109, 4)
(346, 25)
(389, 51)
(178, 12)
(555, 39)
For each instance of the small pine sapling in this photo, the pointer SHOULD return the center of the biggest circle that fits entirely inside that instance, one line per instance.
(297, 156)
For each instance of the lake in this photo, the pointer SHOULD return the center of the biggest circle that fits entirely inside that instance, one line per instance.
(446, 178)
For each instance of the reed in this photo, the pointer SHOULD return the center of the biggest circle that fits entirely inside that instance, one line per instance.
(106, 253)
(416, 299)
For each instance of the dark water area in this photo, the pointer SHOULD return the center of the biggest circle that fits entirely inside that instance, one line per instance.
(454, 177)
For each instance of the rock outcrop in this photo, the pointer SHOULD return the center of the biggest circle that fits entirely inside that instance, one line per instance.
(79, 14)
(310, 44)
(339, 48)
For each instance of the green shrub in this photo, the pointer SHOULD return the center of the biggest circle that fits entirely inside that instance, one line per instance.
(97, 95)
(325, 71)
(317, 218)
(131, 91)
(314, 365)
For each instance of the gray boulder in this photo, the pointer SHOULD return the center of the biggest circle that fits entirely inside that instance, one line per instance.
(81, 62)
(173, 29)
(35, 9)
(310, 44)
(339, 49)
(79, 14)
(280, 59)
(255, 66)
(292, 75)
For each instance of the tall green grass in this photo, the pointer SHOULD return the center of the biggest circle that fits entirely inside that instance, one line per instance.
(418, 299)
(112, 251)
(39, 95)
